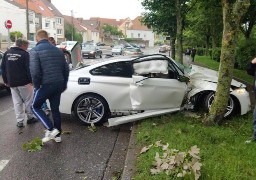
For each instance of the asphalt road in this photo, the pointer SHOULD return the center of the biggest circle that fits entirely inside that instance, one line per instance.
(81, 155)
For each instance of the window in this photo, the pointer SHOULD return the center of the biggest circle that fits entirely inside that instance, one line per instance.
(54, 25)
(138, 35)
(47, 23)
(59, 31)
(58, 21)
(118, 69)
(145, 35)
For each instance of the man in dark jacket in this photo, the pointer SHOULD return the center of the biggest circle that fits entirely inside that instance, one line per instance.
(49, 72)
(251, 67)
(16, 75)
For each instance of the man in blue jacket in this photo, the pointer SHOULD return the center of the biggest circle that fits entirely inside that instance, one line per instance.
(49, 72)
(16, 75)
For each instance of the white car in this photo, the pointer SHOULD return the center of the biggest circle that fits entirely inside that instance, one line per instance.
(144, 86)
(118, 50)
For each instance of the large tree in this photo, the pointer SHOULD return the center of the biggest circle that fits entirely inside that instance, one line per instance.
(161, 17)
(233, 10)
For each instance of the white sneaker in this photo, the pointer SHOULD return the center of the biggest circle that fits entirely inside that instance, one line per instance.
(57, 139)
(50, 135)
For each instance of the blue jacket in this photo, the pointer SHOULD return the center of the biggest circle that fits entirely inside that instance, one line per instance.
(47, 64)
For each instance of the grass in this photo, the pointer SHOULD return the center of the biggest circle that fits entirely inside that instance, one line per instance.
(223, 151)
(211, 64)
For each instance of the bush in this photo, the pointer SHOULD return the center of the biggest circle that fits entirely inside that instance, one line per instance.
(15, 35)
(245, 52)
(215, 54)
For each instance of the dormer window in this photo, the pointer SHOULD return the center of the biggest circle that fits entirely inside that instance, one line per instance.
(41, 8)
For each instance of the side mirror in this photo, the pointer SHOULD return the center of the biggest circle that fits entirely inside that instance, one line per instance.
(183, 79)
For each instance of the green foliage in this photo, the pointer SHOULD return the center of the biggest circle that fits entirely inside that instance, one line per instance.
(15, 35)
(34, 145)
(110, 30)
(76, 35)
(215, 54)
(245, 52)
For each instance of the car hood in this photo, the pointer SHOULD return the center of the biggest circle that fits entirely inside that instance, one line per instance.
(198, 73)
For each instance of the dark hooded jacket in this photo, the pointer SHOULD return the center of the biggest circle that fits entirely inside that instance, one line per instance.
(15, 67)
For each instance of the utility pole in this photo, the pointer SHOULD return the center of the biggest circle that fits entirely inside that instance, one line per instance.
(72, 20)
(27, 19)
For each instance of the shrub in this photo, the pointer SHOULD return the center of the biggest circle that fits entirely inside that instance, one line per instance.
(245, 52)
(215, 54)
(15, 35)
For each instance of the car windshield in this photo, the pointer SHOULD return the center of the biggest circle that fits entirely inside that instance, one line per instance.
(89, 48)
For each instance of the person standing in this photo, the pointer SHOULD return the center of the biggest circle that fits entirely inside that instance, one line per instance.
(49, 72)
(251, 67)
(16, 75)
(193, 54)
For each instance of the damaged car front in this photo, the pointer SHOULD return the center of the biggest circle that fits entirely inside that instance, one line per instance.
(203, 84)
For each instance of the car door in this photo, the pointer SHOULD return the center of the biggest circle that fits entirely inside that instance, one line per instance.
(156, 86)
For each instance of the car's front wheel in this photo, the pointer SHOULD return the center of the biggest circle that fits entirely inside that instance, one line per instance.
(91, 108)
(209, 99)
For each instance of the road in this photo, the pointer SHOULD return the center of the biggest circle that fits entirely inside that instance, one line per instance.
(81, 155)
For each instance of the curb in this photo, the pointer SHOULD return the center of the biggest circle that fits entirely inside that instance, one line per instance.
(130, 156)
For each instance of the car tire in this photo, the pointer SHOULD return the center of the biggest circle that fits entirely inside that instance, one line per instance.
(91, 108)
(209, 99)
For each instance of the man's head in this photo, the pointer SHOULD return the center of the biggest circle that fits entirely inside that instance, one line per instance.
(22, 43)
(52, 41)
(41, 34)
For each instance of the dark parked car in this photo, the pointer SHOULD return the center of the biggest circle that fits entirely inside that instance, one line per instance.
(132, 51)
(91, 52)
(2, 86)
(101, 44)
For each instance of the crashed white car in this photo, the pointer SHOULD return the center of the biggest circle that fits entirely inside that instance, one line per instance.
(141, 87)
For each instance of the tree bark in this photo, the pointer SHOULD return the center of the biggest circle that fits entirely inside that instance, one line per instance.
(179, 31)
(232, 13)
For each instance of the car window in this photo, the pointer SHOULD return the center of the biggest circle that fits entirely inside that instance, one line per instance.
(118, 69)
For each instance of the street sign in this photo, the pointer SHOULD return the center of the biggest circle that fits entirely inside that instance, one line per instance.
(8, 24)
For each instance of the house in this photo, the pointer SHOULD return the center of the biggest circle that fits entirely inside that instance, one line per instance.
(92, 32)
(139, 31)
(59, 35)
(10, 10)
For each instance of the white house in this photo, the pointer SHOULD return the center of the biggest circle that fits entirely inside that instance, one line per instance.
(139, 31)
(14, 13)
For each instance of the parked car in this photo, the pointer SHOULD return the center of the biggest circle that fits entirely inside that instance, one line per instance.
(91, 52)
(2, 85)
(148, 83)
(132, 51)
(117, 50)
(163, 49)
(100, 44)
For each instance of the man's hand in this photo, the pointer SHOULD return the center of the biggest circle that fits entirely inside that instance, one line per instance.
(254, 61)
(7, 85)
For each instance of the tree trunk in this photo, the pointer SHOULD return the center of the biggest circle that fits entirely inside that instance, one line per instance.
(179, 31)
(172, 44)
(232, 13)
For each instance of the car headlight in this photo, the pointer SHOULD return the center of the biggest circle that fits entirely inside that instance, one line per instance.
(92, 52)
(240, 90)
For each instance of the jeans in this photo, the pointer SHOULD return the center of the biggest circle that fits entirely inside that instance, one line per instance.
(254, 123)
(52, 92)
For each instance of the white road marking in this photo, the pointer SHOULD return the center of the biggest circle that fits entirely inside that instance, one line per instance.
(3, 163)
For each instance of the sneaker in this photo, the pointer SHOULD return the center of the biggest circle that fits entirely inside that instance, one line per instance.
(252, 140)
(50, 135)
(57, 139)
(32, 120)
(20, 124)
(47, 112)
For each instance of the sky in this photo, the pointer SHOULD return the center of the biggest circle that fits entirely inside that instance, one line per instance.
(113, 9)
